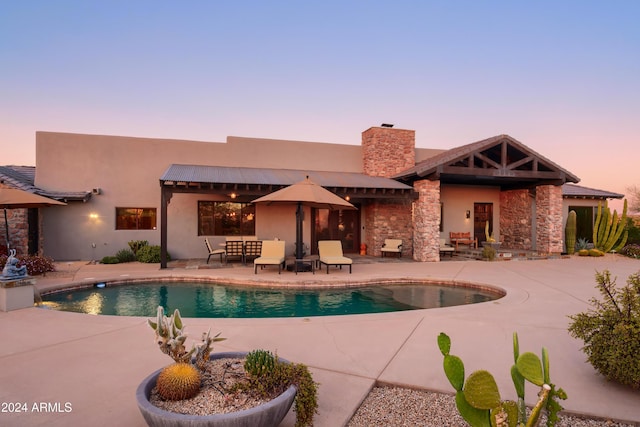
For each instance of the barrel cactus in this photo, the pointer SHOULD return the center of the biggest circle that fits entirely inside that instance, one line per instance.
(570, 232)
(178, 381)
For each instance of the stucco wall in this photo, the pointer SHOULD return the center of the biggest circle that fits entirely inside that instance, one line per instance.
(127, 170)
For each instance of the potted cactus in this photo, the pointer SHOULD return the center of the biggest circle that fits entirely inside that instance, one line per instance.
(490, 240)
(166, 397)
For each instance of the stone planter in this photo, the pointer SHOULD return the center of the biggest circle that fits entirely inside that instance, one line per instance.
(266, 415)
(494, 245)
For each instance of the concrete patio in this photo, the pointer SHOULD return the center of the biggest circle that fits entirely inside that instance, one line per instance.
(85, 369)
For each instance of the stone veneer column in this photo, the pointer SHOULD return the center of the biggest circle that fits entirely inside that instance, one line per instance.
(385, 152)
(427, 221)
(515, 219)
(388, 151)
(549, 219)
(18, 229)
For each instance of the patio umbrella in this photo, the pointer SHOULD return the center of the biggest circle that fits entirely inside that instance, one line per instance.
(305, 193)
(11, 198)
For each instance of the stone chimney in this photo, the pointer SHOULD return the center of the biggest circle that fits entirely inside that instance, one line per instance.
(387, 151)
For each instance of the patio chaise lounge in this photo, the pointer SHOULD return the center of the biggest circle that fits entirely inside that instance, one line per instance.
(330, 252)
(392, 246)
(272, 253)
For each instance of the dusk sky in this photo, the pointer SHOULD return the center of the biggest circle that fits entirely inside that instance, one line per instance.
(562, 77)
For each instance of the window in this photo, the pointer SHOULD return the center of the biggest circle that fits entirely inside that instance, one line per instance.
(226, 219)
(136, 218)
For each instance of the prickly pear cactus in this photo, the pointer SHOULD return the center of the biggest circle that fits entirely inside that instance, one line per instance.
(478, 398)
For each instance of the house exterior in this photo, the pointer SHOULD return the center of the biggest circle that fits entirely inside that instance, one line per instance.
(176, 192)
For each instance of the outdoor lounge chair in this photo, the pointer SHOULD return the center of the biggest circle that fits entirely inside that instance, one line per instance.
(212, 251)
(392, 246)
(272, 254)
(330, 252)
(446, 248)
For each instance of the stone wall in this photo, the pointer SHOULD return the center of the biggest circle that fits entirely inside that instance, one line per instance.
(387, 151)
(515, 219)
(427, 221)
(388, 220)
(549, 219)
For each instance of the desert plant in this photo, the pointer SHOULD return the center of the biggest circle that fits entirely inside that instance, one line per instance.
(268, 376)
(149, 254)
(487, 236)
(125, 255)
(611, 330)
(582, 243)
(478, 398)
(570, 232)
(170, 338)
(135, 245)
(178, 381)
(583, 252)
(632, 251)
(259, 362)
(610, 232)
(489, 253)
(595, 252)
(109, 260)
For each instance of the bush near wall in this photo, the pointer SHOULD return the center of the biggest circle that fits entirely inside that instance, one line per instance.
(149, 254)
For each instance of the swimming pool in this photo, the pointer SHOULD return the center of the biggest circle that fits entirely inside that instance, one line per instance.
(207, 300)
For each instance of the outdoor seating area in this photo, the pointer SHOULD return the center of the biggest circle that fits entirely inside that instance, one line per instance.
(445, 248)
(462, 238)
(330, 252)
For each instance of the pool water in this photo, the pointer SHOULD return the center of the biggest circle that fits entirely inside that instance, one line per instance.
(214, 300)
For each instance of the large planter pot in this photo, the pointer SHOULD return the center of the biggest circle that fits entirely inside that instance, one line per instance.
(494, 245)
(269, 414)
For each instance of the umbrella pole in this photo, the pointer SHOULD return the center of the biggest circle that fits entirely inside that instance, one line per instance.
(299, 240)
(6, 229)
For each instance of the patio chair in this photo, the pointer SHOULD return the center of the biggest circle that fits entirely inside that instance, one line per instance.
(272, 254)
(446, 248)
(212, 251)
(330, 252)
(234, 248)
(392, 246)
(252, 249)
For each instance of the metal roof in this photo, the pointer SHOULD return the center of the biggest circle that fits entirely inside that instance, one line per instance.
(277, 177)
(22, 178)
(578, 191)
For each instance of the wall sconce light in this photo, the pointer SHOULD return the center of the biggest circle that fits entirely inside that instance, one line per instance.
(347, 198)
(233, 195)
(468, 215)
(93, 215)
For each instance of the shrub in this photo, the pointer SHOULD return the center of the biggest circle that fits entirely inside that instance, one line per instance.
(35, 264)
(125, 255)
(632, 251)
(149, 254)
(109, 260)
(135, 245)
(611, 331)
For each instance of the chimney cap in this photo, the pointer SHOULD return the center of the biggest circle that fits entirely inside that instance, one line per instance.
(386, 125)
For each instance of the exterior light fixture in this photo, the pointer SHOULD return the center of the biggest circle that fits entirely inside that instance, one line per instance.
(93, 215)
(347, 198)
(468, 215)
(233, 195)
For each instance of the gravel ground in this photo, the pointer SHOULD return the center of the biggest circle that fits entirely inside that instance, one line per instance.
(395, 406)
